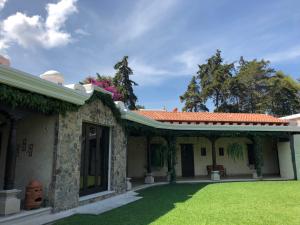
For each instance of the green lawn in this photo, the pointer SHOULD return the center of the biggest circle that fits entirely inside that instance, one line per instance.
(244, 203)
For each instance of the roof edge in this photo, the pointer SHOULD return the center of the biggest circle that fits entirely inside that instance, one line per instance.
(135, 117)
(25, 81)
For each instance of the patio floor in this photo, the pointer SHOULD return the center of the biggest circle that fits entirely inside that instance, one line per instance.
(138, 183)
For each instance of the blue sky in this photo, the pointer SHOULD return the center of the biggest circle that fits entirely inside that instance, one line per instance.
(165, 39)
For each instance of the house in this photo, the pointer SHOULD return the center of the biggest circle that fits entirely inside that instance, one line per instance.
(83, 147)
(294, 120)
(68, 138)
(202, 140)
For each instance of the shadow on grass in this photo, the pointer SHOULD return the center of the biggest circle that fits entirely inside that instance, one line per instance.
(156, 202)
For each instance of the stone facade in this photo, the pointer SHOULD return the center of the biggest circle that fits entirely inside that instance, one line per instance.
(67, 154)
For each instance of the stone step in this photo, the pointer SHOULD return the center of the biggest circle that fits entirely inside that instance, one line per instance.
(25, 217)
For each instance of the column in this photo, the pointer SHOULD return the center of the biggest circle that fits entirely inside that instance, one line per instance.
(11, 157)
(149, 179)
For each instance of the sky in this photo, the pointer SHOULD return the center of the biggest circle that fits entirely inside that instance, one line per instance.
(164, 39)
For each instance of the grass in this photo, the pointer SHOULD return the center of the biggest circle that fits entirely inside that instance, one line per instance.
(240, 203)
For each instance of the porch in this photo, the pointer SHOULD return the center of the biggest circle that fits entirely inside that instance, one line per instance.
(194, 157)
(26, 154)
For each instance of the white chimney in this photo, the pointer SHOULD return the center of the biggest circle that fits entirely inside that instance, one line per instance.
(53, 76)
(4, 61)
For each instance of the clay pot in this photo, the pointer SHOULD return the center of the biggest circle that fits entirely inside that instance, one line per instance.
(33, 195)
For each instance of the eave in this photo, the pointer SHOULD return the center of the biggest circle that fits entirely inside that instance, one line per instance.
(135, 117)
(25, 81)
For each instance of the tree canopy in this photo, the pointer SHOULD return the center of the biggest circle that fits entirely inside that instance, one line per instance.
(124, 83)
(247, 87)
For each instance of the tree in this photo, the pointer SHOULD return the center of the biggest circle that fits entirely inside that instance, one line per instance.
(124, 84)
(192, 99)
(250, 85)
(283, 95)
(214, 79)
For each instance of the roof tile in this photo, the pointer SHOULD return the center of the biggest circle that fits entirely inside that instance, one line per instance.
(165, 116)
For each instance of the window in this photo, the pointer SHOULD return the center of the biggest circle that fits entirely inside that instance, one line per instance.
(94, 159)
(221, 151)
(203, 151)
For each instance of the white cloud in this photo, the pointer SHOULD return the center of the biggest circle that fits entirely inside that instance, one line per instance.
(285, 55)
(190, 59)
(145, 16)
(82, 32)
(2, 4)
(146, 74)
(30, 31)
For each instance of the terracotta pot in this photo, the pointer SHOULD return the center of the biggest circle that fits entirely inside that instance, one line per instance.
(33, 195)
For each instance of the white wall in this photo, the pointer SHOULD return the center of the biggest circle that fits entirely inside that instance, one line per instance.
(297, 154)
(38, 131)
(285, 160)
(137, 157)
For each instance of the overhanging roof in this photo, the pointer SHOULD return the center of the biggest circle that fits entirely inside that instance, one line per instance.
(19, 79)
(138, 118)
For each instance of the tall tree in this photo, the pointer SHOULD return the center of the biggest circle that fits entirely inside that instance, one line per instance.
(192, 99)
(283, 95)
(251, 85)
(214, 79)
(124, 84)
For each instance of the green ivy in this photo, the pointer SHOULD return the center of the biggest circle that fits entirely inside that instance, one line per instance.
(235, 151)
(107, 100)
(25, 99)
(15, 97)
(159, 153)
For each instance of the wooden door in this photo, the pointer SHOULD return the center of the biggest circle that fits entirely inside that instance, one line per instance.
(94, 159)
(187, 160)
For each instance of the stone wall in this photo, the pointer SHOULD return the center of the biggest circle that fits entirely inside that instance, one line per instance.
(66, 174)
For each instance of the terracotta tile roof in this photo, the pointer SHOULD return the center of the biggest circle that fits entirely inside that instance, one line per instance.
(165, 116)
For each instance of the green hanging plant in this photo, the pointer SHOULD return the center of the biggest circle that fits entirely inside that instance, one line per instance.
(25, 99)
(159, 155)
(235, 151)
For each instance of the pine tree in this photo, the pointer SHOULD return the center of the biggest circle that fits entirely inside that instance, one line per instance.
(191, 98)
(124, 84)
(214, 79)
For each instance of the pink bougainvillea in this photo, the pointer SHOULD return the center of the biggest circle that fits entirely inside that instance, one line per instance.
(106, 85)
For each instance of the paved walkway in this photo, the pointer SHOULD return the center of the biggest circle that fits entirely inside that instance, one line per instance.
(95, 208)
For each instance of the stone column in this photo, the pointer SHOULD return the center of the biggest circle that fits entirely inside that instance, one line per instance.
(149, 179)
(215, 174)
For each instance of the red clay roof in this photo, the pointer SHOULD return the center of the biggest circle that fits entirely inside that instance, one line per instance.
(165, 116)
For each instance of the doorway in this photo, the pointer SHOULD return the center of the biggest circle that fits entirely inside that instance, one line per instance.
(94, 159)
(187, 160)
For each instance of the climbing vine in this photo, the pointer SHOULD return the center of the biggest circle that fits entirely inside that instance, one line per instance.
(20, 98)
(171, 140)
(15, 97)
(107, 100)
